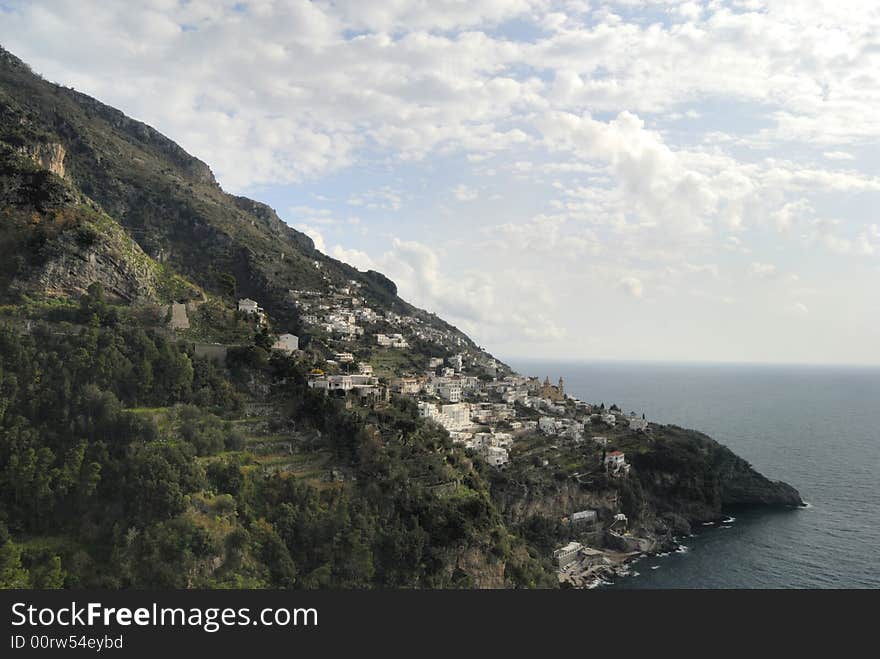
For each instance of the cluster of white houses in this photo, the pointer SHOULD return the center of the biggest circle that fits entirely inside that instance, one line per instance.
(343, 313)
(485, 413)
(466, 405)
(395, 340)
(482, 414)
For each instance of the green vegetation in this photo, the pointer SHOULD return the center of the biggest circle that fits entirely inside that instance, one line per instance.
(134, 456)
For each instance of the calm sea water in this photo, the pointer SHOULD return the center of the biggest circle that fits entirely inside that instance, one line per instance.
(815, 427)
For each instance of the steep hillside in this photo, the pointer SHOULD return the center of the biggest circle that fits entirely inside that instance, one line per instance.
(171, 205)
(128, 458)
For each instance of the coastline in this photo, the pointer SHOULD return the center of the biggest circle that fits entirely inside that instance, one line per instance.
(604, 567)
(607, 566)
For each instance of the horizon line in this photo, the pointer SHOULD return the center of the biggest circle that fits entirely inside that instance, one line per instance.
(693, 362)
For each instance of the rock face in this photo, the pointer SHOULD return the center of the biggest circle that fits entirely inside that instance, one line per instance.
(553, 501)
(48, 156)
(743, 486)
(76, 260)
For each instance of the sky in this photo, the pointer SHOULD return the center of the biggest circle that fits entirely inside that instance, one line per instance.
(660, 180)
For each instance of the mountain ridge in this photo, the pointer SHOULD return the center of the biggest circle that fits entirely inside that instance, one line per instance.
(170, 211)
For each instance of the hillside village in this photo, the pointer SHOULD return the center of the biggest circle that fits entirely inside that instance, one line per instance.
(364, 357)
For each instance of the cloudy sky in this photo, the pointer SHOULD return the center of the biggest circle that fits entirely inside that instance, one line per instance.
(575, 179)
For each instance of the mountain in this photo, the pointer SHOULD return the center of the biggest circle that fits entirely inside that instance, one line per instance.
(84, 167)
(151, 435)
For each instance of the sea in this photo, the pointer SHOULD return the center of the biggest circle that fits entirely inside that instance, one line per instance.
(815, 427)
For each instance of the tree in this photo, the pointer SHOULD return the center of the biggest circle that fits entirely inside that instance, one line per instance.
(272, 551)
(263, 339)
(227, 283)
(46, 574)
(12, 574)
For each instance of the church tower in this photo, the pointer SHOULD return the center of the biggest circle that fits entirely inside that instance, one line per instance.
(561, 387)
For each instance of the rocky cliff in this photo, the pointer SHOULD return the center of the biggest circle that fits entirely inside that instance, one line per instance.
(678, 479)
(58, 242)
(688, 474)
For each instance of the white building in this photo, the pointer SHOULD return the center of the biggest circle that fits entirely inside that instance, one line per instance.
(584, 517)
(547, 425)
(567, 554)
(343, 327)
(392, 341)
(456, 416)
(247, 305)
(637, 424)
(344, 357)
(250, 307)
(470, 383)
(429, 410)
(406, 386)
(434, 362)
(450, 390)
(343, 383)
(616, 461)
(332, 383)
(286, 343)
(496, 456)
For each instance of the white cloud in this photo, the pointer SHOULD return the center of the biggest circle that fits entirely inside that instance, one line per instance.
(359, 259)
(763, 270)
(631, 286)
(603, 147)
(464, 193)
(315, 235)
(792, 213)
(384, 198)
(798, 308)
(474, 300)
(706, 269)
(838, 155)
